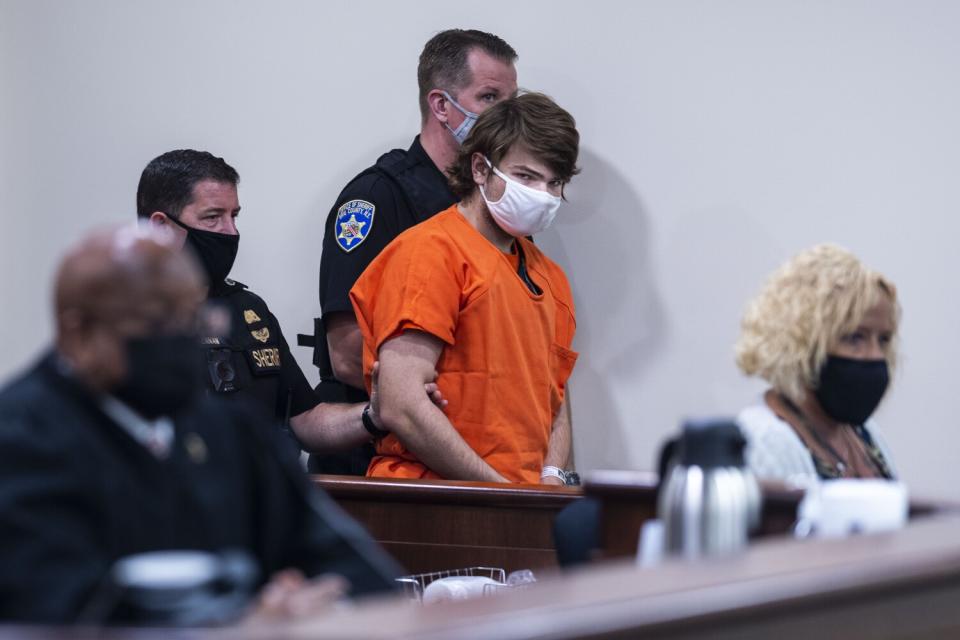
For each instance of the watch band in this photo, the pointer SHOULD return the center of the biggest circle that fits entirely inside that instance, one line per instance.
(550, 471)
(367, 420)
(569, 478)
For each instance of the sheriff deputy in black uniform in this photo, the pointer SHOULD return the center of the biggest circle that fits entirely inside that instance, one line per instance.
(193, 194)
(108, 449)
(461, 73)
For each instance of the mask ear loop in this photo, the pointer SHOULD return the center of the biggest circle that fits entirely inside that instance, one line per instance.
(469, 119)
(496, 171)
(493, 169)
(460, 108)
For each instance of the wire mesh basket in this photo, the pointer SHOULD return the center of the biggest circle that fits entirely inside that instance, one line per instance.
(414, 585)
(520, 579)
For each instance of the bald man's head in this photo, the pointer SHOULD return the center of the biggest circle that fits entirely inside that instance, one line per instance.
(118, 284)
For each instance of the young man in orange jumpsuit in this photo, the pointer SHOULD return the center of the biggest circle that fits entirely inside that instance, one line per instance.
(468, 296)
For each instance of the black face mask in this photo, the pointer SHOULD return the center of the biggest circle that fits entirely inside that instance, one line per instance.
(163, 374)
(216, 251)
(850, 390)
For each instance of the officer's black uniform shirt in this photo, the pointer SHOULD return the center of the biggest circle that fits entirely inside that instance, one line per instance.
(405, 188)
(77, 492)
(402, 188)
(254, 362)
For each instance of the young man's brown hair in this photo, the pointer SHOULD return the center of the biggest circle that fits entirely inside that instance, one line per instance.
(531, 120)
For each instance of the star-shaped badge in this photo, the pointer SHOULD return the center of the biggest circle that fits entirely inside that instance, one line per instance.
(351, 230)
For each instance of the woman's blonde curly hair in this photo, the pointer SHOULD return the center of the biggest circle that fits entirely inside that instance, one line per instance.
(805, 307)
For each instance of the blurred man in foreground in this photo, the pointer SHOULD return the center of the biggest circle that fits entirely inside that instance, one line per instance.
(107, 449)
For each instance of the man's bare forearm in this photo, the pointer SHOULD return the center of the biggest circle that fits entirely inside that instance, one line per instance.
(407, 362)
(428, 434)
(345, 346)
(559, 447)
(330, 427)
(334, 427)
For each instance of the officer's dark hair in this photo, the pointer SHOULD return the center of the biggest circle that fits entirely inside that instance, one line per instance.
(167, 183)
(531, 120)
(443, 62)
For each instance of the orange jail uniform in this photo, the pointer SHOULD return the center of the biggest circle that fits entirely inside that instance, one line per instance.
(506, 355)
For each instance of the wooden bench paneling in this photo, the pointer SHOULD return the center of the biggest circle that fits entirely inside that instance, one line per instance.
(431, 525)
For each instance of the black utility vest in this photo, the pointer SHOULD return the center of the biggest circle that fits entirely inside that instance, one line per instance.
(417, 183)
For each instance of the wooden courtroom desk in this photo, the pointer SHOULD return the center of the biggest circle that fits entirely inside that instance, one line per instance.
(434, 525)
(895, 585)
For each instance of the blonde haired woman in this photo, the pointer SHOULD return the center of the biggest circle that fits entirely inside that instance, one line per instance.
(822, 332)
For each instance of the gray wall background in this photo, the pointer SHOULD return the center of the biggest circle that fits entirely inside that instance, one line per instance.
(719, 138)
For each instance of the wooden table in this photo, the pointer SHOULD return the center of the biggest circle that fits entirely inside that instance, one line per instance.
(902, 584)
(893, 585)
(433, 525)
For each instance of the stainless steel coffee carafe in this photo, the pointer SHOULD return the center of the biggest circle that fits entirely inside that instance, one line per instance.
(709, 501)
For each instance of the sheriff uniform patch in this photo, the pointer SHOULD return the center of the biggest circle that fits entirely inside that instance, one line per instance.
(261, 334)
(266, 360)
(251, 316)
(353, 224)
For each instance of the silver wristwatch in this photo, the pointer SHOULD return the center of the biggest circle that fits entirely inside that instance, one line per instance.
(569, 478)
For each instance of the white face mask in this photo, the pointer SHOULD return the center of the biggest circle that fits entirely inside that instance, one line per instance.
(521, 210)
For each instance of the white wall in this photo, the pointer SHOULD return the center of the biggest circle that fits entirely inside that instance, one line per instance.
(719, 138)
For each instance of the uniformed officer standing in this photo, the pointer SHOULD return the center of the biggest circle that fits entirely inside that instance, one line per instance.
(460, 74)
(194, 195)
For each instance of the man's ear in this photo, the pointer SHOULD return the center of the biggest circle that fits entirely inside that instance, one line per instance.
(79, 341)
(439, 105)
(479, 168)
(162, 224)
(159, 218)
(71, 330)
